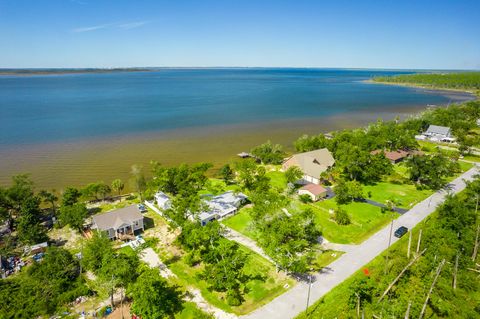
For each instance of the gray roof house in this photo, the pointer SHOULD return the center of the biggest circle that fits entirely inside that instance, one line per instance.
(222, 206)
(436, 132)
(119, 223)
(163, 201)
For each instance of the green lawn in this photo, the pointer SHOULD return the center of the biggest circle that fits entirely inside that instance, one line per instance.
(404, 195)
(241, 222)
(324, 258)
(472, 158)
(277, 179)
(190, 311)
(366, 220)
(216, 186)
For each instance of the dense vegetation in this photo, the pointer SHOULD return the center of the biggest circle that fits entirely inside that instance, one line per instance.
(448, 235)
(458, 81)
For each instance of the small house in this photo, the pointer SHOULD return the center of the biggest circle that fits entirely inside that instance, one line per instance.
(315, 191)
(393, 156)
(162, 200)
(222, 206)
(312, 164)
(439, 133)
(119, 223)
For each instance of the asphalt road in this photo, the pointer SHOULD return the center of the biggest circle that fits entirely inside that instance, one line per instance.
(291, 303)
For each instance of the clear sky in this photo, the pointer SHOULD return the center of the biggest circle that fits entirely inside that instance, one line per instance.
(350, 34)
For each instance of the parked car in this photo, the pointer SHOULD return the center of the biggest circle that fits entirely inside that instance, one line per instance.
(142, 208)
(402, 230)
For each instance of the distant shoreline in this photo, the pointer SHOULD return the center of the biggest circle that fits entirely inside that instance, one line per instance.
(474, 93)
(33, 72)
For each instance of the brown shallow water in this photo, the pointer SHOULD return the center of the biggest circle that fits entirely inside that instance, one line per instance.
(57, 165)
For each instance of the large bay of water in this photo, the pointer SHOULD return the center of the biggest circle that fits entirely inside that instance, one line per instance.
(85, 127)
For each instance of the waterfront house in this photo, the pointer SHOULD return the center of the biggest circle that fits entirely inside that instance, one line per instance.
(162, 200)
(119, 223)
(312, 164)
(222, 206)
(315, 191)
(439, 133)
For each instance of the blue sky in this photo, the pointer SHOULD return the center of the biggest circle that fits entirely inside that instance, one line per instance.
(350, 34)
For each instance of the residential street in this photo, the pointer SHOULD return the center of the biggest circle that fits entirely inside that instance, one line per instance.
(294, 301)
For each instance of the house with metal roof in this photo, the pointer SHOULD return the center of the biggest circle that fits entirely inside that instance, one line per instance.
(119, 223)
(163, 200)
(312, 164)
(222, 206)
(437, 133)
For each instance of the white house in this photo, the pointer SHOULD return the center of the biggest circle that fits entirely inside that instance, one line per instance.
(162, 200)
(437, 133)
(222, 206)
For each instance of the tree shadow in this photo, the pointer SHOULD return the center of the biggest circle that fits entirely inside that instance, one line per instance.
(148, 222)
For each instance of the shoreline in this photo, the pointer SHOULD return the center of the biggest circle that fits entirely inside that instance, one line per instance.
(475, 94)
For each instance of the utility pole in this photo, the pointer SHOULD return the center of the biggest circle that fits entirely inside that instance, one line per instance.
(308, 296)
(409, 243)
(388, 248)
(439, 269)
(358, 305)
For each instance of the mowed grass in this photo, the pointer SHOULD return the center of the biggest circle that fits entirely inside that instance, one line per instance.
(263, 285)
(277, 179)
(403, 195)
(241, 222)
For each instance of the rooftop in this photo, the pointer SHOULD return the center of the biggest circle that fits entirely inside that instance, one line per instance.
(314, 189)
(116, 218)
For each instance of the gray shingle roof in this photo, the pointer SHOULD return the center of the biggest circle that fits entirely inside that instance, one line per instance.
(116, 218)
(438, 130)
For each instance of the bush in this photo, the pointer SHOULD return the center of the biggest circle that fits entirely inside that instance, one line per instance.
(234, 298)
(341, 216)
(305, 198)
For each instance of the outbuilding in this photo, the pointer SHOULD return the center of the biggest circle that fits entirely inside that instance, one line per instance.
(315, 191)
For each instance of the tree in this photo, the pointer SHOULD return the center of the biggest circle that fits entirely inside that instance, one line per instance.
(118, 185)
(269, 153)
(227, 173)
(153, 298)
(341, 216)
(97, 249)
(50, 198)
(74, 215)
(225, 270)
(104, 190)
(310, 143)
(293, 174)
(29, 229)
(347, 191)
(70, 196)
(431, 170)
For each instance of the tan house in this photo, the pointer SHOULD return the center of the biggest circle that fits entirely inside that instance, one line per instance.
(119, 223)
(314, 191)
(311, 163)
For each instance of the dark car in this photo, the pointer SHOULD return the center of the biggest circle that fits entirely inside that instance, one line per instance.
(401, 231)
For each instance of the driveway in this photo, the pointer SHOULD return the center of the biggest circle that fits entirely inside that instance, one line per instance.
(293, 302)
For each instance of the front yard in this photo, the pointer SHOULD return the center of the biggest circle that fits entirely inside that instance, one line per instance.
(264, 283)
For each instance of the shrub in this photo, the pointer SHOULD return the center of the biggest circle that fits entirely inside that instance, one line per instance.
(341, 216)
(305, 198)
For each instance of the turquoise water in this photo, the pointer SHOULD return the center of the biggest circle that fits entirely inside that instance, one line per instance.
(82, 107)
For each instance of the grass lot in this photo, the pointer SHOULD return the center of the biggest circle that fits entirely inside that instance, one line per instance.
(404, 195)
(277, 179)
(325, 258)
(190, 311)
(241, 222)
(366, 220)
(217, 186)
(265, 283)
(472, 158)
